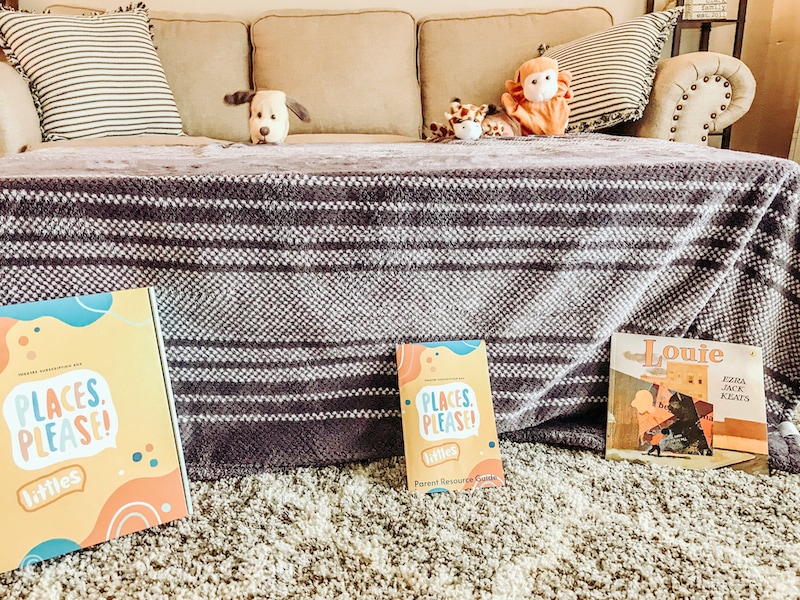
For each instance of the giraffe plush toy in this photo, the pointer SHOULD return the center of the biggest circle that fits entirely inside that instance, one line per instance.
(498, 123)
(473, 121)
(463, 121)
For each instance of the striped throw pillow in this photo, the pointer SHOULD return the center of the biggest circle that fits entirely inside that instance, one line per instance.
(613, 70)
(91, 76)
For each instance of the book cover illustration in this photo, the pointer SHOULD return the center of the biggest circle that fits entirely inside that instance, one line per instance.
(89, 448)
(449, 430)
(691, 403)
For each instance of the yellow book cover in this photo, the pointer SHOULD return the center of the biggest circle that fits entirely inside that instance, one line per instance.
(449, 430)
(691, 403)
(89, 446)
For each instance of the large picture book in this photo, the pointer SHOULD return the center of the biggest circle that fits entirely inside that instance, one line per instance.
(690, 403)
(89, 447)
(449, 430)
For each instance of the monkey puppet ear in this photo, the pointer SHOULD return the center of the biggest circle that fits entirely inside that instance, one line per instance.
(564, 81)
(514, 87)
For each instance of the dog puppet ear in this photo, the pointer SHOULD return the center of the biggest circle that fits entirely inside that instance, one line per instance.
(242, 97)
(298, 109)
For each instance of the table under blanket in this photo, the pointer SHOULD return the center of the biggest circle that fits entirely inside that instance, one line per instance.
(286, 275)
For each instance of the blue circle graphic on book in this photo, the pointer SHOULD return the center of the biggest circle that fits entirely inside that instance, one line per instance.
(48, 549)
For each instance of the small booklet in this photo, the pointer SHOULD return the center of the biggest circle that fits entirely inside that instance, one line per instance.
(89, 447)
(691, 403)
(449, 429)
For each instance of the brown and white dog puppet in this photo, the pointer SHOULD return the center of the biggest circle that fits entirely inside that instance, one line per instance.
(269, 114)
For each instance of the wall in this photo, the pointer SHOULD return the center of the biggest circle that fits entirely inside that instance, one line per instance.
(772, 51)
(794, 152)
(622, 10)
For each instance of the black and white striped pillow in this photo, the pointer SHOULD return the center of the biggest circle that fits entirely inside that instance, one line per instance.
(91, 76)
(612, 70)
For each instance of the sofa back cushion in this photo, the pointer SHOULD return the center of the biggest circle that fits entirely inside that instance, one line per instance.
(355, 71)
(205, 57)
(471, 55)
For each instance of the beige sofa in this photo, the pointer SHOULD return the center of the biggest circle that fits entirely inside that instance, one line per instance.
(286, 275)
(383, 75)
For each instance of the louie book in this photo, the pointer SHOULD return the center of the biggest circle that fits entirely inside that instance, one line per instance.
(691, 403)
(89, 447)
(449, 431)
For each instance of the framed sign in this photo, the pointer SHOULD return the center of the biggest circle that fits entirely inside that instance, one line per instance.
(708, 10)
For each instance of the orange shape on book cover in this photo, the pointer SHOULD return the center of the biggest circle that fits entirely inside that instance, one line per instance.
(139, 504)
(436, 455)
(45, 490)
(5, 326)
(409, 364)
(486, 474)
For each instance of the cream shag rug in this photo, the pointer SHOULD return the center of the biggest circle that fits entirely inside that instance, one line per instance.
(569, 524)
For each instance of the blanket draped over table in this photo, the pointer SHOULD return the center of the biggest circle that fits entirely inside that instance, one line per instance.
(286, 275)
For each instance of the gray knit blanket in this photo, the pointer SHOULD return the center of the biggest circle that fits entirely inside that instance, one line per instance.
(286, 275)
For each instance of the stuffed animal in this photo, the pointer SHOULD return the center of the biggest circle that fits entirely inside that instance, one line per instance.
(498, 123)
(269, 114)
(537, 97)
(463, 122)
(465, 119)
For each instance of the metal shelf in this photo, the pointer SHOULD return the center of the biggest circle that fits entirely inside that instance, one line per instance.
(705, 30)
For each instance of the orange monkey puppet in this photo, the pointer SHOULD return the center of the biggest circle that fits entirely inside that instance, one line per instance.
(537, 97)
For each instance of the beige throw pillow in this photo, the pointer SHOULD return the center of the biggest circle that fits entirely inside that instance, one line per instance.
(613, 70)
(91, 76)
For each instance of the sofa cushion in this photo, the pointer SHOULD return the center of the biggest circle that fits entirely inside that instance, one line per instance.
(129, 141)
(366, 59)
(91, 76)
(613, 70)
(205, 57)
(350, 138)
(471, 55)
